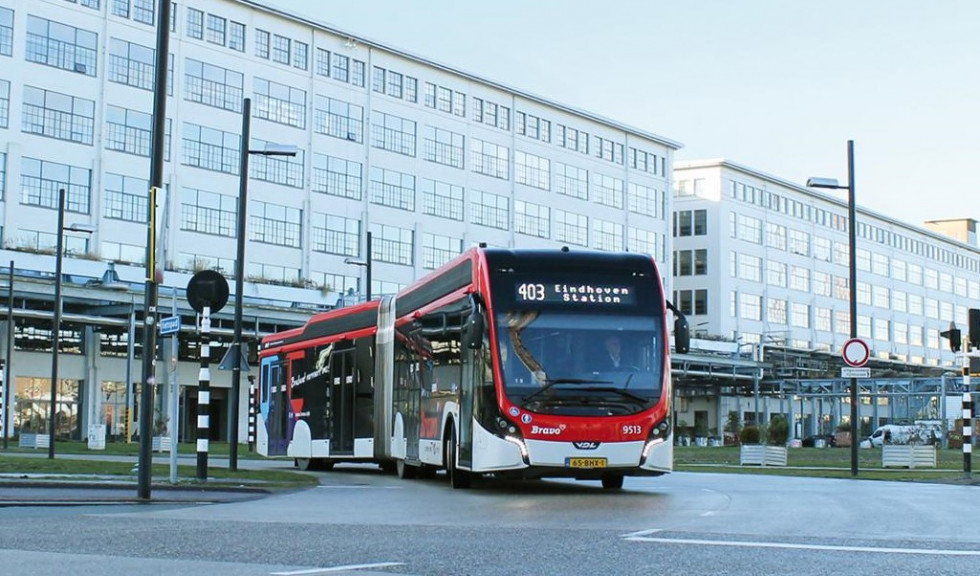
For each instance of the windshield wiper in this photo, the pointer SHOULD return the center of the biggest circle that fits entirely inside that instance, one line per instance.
(619, 391)
(549, 383)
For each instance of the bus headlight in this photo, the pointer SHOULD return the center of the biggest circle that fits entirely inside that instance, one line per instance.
(658, 435)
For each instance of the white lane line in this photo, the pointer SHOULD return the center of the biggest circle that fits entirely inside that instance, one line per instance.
(736, 544)
(339, 569)
(633, 535)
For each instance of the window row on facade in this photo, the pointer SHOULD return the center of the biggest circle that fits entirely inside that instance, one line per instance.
(869, 231)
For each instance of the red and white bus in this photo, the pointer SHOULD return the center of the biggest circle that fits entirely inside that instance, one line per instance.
(498, 363)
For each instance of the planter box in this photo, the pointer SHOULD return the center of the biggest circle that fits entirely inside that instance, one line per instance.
(762, 455)
(35, 440)
(908, 456)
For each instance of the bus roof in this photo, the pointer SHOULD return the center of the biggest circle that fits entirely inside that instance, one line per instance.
(363, 316)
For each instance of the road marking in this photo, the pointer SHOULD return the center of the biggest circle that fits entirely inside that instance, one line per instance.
(632, 535)
(339, 569)
(709, 513)
(362, 486)
(790, 546)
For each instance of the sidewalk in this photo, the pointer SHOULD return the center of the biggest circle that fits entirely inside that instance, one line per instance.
(65, 489)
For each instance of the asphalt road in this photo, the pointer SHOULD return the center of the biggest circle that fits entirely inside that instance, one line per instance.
(359, 521)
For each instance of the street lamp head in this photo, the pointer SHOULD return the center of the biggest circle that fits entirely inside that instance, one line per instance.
(355, 262)
(272, 149)
(83, 228)
(823, 183)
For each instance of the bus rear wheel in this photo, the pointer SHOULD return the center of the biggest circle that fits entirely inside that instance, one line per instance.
(612, 481)
(457, 478)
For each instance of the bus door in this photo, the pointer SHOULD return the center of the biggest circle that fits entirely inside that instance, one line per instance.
(273, 406)
(343, 398)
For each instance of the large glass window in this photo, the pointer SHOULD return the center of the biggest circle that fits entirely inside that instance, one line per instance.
(285, 170)
(607, 190)
(443, 147)
(131, 64)
(211, 149)
(532, 170)
(3, 175)
(126, 198)
(6, 31)
(208, 212)
(336, 234)
(40, 181)
(489, 209)
(275, 224)
(4, 103)
(131, 131)
(392, 188)
(213, 85)
(572, 228)
(61, 46)
(338, 119)
(571, 181)
(643, 242)
(607, 235)
(337, 176)
(58, 115)
(532, 219)
(438, 249)
(393, 244)
(490, 159)
(442, 199)
(280, 103)
(393, 133)
(644, 200)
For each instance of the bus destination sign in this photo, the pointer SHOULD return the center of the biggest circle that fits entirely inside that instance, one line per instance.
(579, 293)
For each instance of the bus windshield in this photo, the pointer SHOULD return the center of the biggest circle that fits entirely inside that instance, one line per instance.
(580, 362)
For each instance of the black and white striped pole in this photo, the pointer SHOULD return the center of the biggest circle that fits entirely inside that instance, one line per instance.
(967, 417)
(207, 292)
(204, 396)
(251, 413)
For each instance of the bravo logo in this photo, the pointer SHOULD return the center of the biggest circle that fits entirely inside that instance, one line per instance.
(547, 431)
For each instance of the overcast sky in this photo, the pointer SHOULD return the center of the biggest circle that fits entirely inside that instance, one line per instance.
(776, 85)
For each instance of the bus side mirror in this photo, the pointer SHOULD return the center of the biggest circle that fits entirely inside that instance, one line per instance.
(682, 335)
(474, 330)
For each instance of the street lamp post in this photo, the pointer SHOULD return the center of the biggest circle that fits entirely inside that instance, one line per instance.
(366, 264)
(56, 324)
(236, 370)
(852, 280)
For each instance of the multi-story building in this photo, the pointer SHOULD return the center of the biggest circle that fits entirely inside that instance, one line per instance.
(763, 263)
(427, 158)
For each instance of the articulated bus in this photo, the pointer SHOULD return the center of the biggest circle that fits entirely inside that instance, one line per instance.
(503, 363)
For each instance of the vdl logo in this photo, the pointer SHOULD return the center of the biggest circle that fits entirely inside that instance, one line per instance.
(586, 445)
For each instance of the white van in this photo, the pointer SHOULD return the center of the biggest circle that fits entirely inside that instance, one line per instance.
(901, 434)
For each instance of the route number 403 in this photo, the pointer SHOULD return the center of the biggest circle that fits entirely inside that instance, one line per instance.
(531, 292)
(629, 429)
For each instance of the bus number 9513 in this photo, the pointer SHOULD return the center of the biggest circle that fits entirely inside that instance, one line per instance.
(632, 429)
(531, 292)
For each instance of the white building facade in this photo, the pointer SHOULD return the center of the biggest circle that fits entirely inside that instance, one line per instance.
(758, 259)
(427, 158)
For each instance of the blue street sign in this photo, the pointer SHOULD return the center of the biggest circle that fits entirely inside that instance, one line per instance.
(169, 325)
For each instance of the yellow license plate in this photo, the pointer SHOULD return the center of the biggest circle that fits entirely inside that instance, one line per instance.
(585, 462)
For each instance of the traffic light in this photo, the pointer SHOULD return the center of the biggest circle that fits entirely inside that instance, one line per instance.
(974, 333)
(955, 342)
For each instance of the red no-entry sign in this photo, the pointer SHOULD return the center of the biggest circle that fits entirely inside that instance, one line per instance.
(856, 352)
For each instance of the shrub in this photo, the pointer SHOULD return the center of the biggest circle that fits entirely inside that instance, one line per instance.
(749, 435)
(778, 431)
